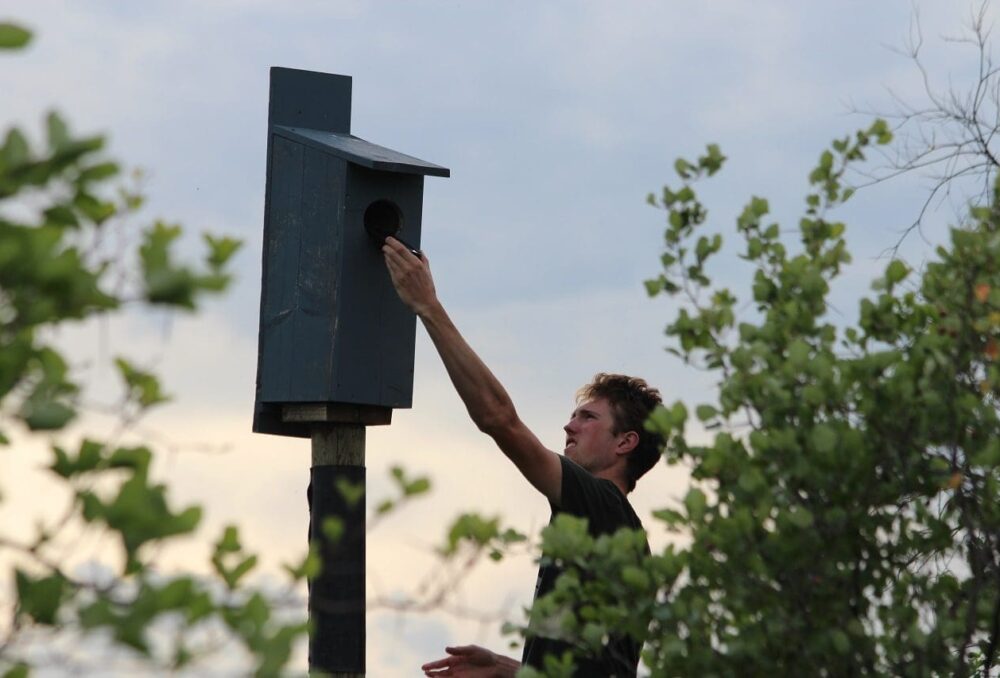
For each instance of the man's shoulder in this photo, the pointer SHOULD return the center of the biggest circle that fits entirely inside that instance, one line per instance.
(597, 499)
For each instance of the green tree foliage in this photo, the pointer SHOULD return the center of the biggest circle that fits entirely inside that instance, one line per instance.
(845, 518)
(56, 207)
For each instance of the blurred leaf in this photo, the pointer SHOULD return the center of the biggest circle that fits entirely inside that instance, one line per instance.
(220, 250)
(13, 36)
(352, 493)
(48, 416)
(17, 671)
(87, 459)
(333, 529)
(143, 387)
(58, 134)
(39, 598)
(308, 568)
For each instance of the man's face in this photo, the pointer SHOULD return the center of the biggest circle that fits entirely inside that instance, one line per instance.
(590, 441)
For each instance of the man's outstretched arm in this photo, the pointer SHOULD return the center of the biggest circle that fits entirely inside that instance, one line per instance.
(484, 396)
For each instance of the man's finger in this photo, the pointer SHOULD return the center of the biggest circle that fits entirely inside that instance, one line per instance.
(401, 266)
(401, 247)
(396, 264)
(399, 256)
(461, 649)
(395, 245)
(437, 664)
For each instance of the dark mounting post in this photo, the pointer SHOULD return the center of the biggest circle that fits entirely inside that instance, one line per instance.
(335, 349)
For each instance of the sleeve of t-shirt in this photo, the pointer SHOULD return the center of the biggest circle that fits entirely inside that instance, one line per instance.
(585, 496)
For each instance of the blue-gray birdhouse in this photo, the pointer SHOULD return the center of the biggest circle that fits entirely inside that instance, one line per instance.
(334, 336)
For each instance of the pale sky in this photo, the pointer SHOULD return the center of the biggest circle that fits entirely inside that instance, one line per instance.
(556, 120)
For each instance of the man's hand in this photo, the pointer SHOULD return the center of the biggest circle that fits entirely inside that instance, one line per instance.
(411, 276)
(472, 661)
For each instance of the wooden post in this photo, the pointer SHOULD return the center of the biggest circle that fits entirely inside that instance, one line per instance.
(337, 595)
(336, 493)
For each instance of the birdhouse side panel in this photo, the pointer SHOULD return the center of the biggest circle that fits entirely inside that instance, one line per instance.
(282, 233)
(302, 251)
(320, 276)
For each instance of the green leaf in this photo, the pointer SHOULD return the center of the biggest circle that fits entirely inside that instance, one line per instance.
(134, 458)
(896, 271)
(309, 568)
(241, 570)
(798, 354)
(706, 412)
(94, 209)
(989, 456)
(678, 414)
(230, 540)
(712, 161)
(669, 516)
(352, 493)
(880, 130)
(653, 286)
(47, 415)
(472, 528)
(417, 487)
(801, 518)
(333, 528)
(662, 421)
(143, 387)
(696, 504)
(566, 538)
(409, 487)
(58, 133)
(13, 36)
(99, 172)
(39, 598)
(89, 458)
(17, 671)
(221, 250)
(635, 577)
(823, 438)
(751, 480)
(15, 149)
(61, 215)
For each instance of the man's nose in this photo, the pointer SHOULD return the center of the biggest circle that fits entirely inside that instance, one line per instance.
(568, 427)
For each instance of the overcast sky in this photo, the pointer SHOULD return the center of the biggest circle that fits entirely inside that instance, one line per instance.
(556, 119)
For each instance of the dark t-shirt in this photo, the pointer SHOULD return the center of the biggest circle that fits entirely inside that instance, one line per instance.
(606, 510)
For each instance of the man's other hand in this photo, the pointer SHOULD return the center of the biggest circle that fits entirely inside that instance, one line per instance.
(411, 276)
(471, 661)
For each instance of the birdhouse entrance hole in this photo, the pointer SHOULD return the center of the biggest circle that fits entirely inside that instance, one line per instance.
(382, 219)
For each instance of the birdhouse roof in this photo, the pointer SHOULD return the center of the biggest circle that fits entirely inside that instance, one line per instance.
(361, 152)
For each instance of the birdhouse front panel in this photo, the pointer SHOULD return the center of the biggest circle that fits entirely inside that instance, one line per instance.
(373, 361)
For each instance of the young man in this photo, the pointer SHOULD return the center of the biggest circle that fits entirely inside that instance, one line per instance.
(607, 450)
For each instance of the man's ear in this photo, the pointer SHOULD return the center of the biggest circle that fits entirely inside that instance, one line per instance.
(629, 441)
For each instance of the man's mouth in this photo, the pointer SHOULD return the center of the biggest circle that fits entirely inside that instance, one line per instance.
(570, 443)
